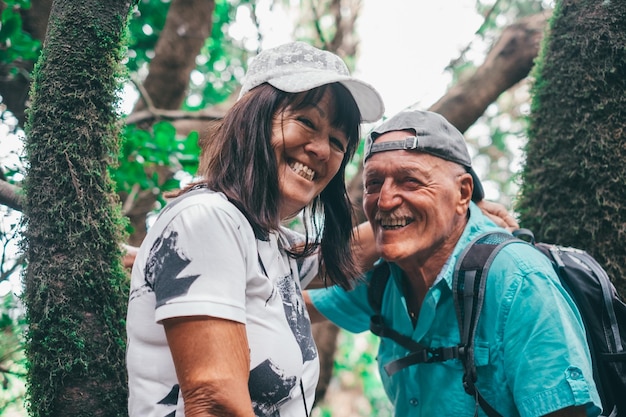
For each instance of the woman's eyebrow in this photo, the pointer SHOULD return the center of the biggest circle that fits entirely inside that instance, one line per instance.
(319, 110)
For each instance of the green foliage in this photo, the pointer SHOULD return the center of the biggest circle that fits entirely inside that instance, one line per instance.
(502, 13)
(12, 359)
(574, 178)
(144, 151)
(220, 62)
(356, 368)
(145, 26)
(15, 44)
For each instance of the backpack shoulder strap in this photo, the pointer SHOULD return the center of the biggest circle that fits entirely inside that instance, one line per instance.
(468, 288)
(418, 352)
(375, 291)
(376, 286)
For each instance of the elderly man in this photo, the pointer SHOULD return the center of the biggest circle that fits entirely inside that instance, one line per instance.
(531, 355)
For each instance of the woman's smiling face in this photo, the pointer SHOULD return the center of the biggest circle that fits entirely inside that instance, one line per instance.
(309, 152)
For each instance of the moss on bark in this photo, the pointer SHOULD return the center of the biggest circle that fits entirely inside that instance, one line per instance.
(75, 287)
(575, 175)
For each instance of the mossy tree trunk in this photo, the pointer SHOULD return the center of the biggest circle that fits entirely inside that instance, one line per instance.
(75, 286)
(574, 180)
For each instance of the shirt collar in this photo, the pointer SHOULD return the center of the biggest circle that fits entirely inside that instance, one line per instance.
(477, 224)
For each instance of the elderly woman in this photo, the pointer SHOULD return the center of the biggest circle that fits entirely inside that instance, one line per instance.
(216, 322)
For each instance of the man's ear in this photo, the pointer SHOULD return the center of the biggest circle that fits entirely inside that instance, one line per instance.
(465, 183)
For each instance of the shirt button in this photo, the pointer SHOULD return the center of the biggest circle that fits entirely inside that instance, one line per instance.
(414, 402)
(574, 373)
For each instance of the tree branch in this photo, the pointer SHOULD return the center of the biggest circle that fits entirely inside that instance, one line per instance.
(187, 26)
(11, 196)
(159, 114)
(508, 62)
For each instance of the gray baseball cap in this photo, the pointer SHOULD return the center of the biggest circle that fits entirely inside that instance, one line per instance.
(433, 135)
(296, 67)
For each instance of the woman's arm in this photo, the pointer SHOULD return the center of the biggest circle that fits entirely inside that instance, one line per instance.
(498, 214)
(212, 361)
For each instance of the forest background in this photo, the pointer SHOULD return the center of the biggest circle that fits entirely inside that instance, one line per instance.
(183, 60)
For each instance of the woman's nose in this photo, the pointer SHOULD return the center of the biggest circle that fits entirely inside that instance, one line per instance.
(319, 146)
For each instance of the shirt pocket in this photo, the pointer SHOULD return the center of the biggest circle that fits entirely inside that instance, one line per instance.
(482, 353)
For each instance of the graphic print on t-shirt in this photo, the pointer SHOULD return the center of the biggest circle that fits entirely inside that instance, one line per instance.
(171, 399)
(268, 387)
(298, 321)
(275, 381)
(165, 262)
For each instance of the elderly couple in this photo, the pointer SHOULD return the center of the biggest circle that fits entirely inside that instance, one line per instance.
(217, 318)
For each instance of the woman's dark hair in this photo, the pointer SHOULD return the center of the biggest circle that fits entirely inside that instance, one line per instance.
(239, 161)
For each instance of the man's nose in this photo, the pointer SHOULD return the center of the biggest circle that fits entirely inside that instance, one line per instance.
(388, 198)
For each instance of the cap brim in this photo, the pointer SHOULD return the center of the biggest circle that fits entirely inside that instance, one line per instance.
(368, 100)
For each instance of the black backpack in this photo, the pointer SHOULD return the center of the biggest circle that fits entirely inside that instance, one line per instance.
(603, 313)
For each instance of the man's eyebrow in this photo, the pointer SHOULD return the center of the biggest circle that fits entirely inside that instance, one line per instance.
(401, 170)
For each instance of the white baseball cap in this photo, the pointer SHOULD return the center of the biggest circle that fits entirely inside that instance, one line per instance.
(296, 67)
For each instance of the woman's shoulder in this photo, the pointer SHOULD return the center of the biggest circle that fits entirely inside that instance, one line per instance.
(204, 198)
(199, 209)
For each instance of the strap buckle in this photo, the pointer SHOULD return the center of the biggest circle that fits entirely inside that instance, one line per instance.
(410, 143)
(442, 354)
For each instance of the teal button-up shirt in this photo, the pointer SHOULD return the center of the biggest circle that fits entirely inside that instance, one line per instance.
(531, 352)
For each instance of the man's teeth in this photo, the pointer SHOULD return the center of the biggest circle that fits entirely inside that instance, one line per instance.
(302, 170)
(393, 223)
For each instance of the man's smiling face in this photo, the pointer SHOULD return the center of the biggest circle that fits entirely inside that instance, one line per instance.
(415, 201)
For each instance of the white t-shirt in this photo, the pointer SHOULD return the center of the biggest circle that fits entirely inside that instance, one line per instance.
(201, 258)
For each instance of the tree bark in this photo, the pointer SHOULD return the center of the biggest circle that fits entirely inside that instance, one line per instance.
(188, 25)
(10, 196)
(508, 62)
(74, 284)
(574, 176)
(186, 29)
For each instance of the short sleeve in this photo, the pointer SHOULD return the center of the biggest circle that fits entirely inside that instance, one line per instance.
(347, 309)
(546, 357)
(200, 262)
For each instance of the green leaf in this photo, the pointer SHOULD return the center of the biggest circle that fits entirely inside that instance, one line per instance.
(164, 136)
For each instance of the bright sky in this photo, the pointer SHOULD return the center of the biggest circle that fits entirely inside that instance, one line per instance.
(404, 46)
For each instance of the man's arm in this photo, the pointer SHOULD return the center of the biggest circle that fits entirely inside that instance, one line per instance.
(364, 249)
(314, 314)
(364, 245)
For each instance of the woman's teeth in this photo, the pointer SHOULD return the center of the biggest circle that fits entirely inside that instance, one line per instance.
(302, 170)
